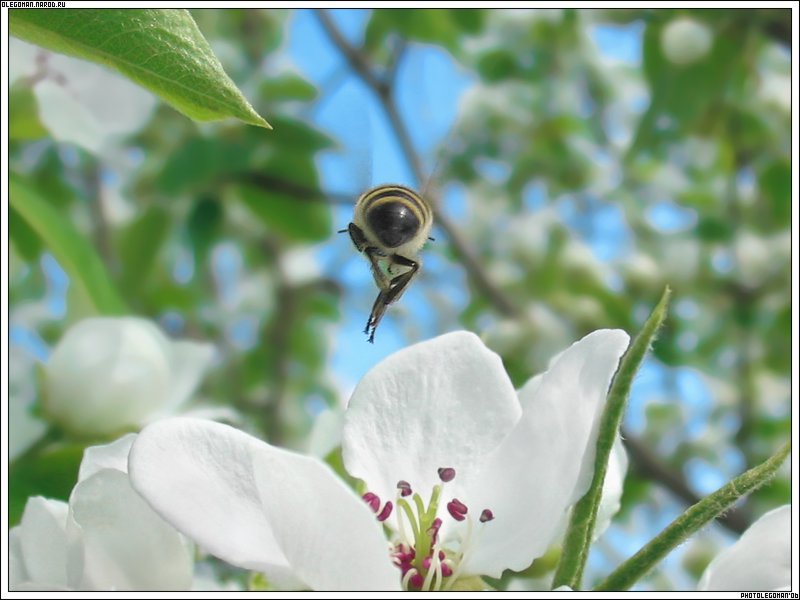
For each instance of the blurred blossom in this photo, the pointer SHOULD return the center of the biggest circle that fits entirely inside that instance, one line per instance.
(760, 257)
(685, 40)
(81, 102)
(105, 538)
(439, 420)
(26, 429)
(759, 561)
(640, 268)
(107, 374)
(299, 265)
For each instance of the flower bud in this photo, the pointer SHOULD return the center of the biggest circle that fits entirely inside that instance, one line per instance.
(112, 373)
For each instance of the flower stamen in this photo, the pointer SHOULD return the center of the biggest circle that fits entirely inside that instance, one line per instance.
(424, 558)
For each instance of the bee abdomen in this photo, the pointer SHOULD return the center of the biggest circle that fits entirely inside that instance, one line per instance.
(393, 223)
(394, 214)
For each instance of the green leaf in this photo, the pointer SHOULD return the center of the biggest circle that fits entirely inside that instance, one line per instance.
(775, 183)
(75, 254)
(674, 110)
(23, 237)
(694, 519)
(138, 247)
(51, 473)
(161, 50)
(203, 225)
(584, 514)
(23, 110)
(296, 219)
(287, 87)
(434, 25)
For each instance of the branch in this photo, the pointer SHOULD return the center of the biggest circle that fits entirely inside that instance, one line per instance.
(298, 191)
(383, 90)
(652, 467)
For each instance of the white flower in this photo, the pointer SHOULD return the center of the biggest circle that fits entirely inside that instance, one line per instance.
(491, 473)
(759, 561)
(111, 373)
(685, 40)
(106, 538)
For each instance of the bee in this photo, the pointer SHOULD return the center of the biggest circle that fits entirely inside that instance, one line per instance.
(390, 225)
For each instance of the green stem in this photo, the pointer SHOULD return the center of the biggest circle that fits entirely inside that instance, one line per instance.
(691, 521)
(584, 514)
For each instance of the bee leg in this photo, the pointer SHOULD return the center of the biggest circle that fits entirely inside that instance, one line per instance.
(378, 309)
(399, 284)
(373, 254)
(391, 293)
(358, 237)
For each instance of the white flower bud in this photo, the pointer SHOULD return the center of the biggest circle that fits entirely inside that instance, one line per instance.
(685, 41)
(109, 374)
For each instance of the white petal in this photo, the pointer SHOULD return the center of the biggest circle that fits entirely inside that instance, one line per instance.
(125, 544)
(198, 475)
(326, 434)
(331, 538)
(759, 561)
(442, 403)
(188, 361)
(43, 541)
(546, 463)
(17, 572)
(107, 456)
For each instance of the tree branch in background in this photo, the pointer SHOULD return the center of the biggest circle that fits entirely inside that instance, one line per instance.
(381, 86)
(296, 190)
(650, 466)
(644, 460)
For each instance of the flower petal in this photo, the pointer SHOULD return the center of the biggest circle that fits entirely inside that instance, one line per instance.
(198, 475)
(123, 543)
(107, 456)
(189, 362)
(546, 463)
(43, 542)
(441, 403)
(329, 535)
(759, 561)
(17, 572)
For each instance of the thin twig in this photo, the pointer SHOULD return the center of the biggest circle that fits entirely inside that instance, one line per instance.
(381, 87)
(651, 466)
(292, 188)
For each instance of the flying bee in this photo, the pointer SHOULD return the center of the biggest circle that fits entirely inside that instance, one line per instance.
(390, 225)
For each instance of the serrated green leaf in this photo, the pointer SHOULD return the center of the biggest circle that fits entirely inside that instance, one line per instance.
(161, 50)
(71, 249)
